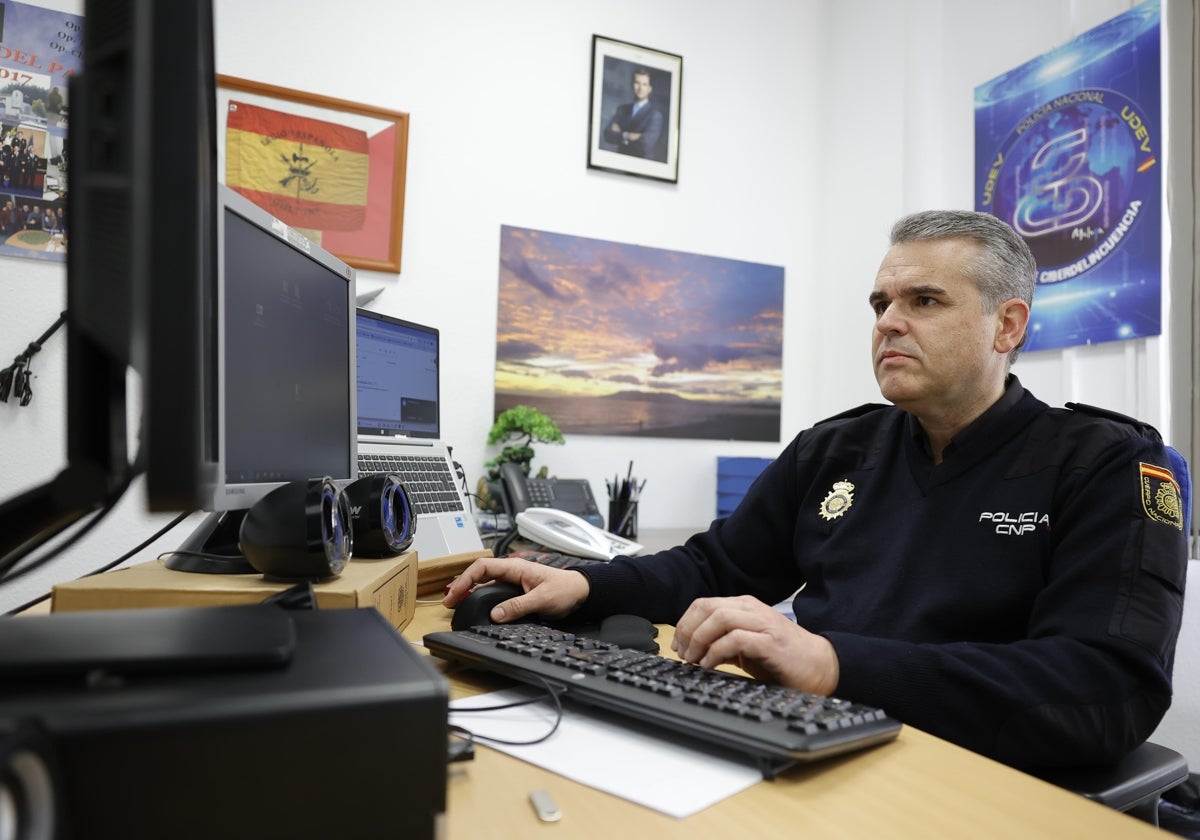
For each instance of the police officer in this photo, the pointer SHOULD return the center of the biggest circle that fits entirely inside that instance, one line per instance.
(1006, 575)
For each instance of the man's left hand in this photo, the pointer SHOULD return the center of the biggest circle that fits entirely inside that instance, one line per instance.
(760, 640)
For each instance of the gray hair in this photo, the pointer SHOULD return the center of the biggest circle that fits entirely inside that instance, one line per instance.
(1005, 268)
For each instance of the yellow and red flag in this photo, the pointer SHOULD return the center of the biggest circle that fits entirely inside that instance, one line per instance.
(306, 172)
(1161, 495)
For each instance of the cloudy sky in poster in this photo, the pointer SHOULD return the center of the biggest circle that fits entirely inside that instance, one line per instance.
(585, 317)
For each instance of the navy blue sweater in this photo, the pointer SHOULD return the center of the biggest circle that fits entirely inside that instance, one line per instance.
(1021, 599)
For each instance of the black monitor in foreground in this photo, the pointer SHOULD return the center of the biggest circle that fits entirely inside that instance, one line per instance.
(141, 208)
(240, 330)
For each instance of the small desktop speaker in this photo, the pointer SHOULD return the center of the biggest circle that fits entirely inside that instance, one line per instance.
(30, 806)
(299, 531)
(384, 522)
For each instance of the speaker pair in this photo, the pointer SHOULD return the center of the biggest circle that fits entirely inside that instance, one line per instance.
(309, 529)
(30, 805)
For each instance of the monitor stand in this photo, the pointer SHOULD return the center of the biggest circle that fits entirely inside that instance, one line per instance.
(213, 547)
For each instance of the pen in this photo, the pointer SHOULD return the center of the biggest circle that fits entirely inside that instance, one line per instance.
(624, 520)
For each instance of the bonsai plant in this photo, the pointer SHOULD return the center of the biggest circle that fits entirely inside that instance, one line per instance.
(517, 428)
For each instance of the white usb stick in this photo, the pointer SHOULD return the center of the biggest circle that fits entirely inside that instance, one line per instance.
(547, 811)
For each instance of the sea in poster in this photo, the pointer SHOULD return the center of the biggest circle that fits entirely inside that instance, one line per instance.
(1068, 150)
(616, 339)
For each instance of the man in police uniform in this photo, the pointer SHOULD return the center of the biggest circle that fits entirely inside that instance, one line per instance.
(1003, 574)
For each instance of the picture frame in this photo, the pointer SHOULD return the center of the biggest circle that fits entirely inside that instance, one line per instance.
(647, 145)
(347, 194)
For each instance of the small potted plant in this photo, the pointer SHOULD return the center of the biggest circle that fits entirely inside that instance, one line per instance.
(517, 428)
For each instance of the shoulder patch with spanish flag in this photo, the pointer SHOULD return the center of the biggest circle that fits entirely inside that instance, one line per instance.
(1161, 497)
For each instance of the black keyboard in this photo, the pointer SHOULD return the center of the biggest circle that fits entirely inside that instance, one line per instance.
(777, 727)
(553, 558)
(427, 478)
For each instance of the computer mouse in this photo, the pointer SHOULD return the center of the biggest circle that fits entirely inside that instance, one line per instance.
(475, 609)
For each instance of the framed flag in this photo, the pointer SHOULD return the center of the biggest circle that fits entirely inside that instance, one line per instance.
(331, 168)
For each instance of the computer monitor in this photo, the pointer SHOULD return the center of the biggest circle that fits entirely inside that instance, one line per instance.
(283, 400)
(188, 284)
(141, 208)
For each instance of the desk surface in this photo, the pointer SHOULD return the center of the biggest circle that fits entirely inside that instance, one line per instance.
(917, 786)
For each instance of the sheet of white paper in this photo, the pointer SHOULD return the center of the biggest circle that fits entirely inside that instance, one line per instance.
(609, 753)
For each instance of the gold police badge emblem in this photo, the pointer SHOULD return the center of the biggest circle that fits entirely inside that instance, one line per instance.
(1161, 498)
(838, 500)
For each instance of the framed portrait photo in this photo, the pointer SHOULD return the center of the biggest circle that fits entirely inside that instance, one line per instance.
(634, 115)
(331, 168)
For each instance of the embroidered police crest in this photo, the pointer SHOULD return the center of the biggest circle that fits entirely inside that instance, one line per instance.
(838, 500)
(1161, 497)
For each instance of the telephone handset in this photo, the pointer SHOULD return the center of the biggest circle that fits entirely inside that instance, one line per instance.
(540, 514)
(566, 532)
(515, 487)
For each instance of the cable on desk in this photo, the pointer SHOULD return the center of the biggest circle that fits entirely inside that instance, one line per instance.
(112, 565)
(471, 737)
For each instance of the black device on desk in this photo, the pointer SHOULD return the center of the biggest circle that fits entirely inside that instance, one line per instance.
(329, 725)
(777, 727)
(574, 495)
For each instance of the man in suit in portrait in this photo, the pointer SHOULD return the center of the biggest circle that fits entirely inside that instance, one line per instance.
(637, 126)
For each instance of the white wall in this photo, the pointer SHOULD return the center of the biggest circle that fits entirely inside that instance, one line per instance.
(808, 126)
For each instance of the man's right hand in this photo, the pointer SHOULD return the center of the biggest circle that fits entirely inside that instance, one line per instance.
(549, 592)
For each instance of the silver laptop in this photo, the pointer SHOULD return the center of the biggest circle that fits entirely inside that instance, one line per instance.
(399, 429)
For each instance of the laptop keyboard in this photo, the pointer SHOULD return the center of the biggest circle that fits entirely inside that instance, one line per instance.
(427, 478)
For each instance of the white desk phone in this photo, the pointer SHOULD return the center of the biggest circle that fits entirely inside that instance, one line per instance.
(562, 531)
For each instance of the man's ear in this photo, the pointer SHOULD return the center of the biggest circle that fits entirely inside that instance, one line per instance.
(1012, 317)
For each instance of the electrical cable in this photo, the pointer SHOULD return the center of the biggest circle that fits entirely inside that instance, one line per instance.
(16, 378)
(203, 555)
(495, 517)
(9, 572)
(555, 697)
(110, 565)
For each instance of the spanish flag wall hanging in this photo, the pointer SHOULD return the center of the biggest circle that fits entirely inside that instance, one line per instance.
(309, 173)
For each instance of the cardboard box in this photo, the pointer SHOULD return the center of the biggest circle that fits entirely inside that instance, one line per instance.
(389, 585)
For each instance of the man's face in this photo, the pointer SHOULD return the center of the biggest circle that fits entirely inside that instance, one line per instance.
(641, 86)
(933, 347)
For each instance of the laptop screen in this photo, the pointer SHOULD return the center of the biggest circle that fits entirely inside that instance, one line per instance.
(397, 377)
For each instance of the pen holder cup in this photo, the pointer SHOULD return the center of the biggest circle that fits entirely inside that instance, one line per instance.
(622, 518)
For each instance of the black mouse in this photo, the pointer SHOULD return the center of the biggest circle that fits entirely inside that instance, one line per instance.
(476, 609)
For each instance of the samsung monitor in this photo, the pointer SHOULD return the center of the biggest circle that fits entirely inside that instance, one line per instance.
(283, 396)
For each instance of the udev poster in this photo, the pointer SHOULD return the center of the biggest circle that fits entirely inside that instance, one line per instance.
(1068, 151)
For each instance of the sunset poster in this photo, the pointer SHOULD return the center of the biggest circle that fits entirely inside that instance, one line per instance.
(615, 339)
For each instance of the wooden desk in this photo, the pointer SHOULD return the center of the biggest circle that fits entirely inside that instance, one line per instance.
(918, 786)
